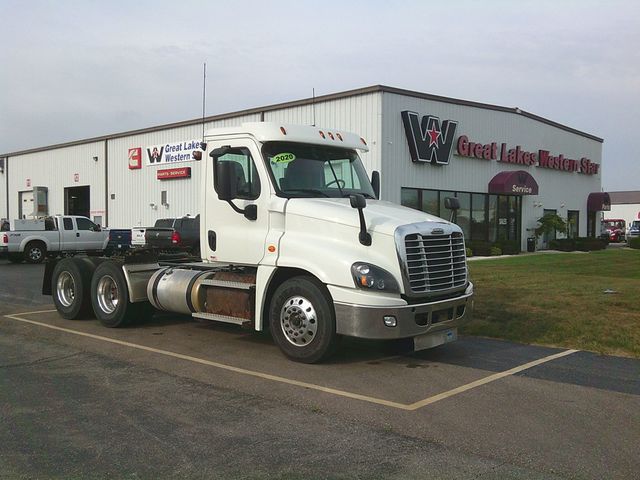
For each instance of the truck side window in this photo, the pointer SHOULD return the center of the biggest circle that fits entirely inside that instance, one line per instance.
(84, 224)
(248, 182)
(68, 223)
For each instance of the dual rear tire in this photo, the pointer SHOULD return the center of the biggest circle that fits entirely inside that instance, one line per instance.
(82, 286)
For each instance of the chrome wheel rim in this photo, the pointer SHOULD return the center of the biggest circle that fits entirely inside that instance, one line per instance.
(66, 289)
(298, 321)
(107, 295)
(35, 253)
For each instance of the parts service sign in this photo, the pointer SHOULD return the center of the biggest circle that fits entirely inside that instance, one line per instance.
(172, 152)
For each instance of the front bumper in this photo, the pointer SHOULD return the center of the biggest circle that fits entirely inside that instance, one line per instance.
(412, 320)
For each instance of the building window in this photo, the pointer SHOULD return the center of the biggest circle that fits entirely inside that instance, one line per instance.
(573, 224)
(429, 202)
(479, 218)
(410, 197)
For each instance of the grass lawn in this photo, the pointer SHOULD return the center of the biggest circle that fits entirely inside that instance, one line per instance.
(558, 299)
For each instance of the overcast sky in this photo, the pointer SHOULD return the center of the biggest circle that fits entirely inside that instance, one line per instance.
(75, 69)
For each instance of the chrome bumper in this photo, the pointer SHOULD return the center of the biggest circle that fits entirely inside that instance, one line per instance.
(411, 320)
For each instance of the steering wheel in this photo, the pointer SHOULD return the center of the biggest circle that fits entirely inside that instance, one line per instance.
(340, 182)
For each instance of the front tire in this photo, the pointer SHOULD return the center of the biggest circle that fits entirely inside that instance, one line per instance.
(302, 320)
(35, 252)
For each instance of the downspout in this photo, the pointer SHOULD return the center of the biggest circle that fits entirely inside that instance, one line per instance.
(106, 182)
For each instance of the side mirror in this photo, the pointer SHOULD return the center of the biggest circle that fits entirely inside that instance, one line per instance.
(358, 201)
(97, 228)
(451, 203)
(226, 181)
(375, 183)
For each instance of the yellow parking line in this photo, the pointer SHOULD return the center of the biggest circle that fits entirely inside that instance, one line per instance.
(311, 386)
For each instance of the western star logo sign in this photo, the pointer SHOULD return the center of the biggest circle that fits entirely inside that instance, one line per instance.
(429, 140)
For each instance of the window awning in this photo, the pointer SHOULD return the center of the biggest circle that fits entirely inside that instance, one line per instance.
(514, 182)
(598, 202)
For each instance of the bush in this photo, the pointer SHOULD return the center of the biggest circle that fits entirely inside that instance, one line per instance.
(588, 244)
(563, 244)
(634, 242)
(480, 247)
(468, 252)
(508, 247)
(495, 251)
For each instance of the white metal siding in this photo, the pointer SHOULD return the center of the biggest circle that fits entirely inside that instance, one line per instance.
(3, 191)
(56, 170)
(136, 190)
(558, 190)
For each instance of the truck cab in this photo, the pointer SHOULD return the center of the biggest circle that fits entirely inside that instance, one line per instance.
(293, 239)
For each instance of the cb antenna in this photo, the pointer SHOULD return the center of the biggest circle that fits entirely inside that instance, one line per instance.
(204, 95)
(313, 105)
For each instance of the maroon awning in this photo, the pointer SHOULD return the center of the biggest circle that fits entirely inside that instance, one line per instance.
(514, 182)
(598, 202)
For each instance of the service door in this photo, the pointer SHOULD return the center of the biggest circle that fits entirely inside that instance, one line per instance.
(229, 235)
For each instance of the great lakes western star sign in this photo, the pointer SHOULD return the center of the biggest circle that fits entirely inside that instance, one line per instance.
(431, 141)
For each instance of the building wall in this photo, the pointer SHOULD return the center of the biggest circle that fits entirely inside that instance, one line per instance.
(558, 190)
(57, 169)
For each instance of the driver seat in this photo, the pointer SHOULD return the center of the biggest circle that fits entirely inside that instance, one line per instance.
(303, 174)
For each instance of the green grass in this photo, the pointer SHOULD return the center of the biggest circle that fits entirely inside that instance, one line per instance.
(558, 299)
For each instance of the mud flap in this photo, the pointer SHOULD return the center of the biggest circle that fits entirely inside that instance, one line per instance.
(48, 274)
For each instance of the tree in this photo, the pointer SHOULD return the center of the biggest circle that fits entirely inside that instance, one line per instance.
(549, 223)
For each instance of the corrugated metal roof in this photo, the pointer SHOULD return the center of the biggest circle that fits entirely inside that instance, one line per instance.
(629, 196)
(308, 101)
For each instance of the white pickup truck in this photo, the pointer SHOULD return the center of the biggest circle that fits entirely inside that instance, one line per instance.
(37, 239)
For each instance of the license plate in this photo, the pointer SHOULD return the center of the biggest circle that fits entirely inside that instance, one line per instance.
(431, 340)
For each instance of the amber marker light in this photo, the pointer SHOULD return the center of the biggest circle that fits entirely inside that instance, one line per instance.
(271, 248)
(322, 134)
(362, 140)
(339, 136)
(331, 136)
(284, 132)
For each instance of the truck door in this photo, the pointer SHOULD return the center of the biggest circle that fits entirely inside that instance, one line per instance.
(89, 237)
(67, 230)
(228, 235)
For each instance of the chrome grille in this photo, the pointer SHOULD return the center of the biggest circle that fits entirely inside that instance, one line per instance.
(435, 263)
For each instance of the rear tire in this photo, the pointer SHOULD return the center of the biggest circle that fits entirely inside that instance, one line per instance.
(302, 320)
(70, 283)
(35, 252)
(110, 296)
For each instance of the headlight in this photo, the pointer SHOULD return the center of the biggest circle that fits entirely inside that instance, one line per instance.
(370, 277)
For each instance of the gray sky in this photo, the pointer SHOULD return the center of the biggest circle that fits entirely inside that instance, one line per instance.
(75, 69)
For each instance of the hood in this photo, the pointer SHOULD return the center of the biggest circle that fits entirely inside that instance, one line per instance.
(380, 216)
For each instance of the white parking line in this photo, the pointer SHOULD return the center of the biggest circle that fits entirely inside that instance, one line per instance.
(289, 381)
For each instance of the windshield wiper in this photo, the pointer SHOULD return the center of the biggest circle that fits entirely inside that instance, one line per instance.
(306, 190)
(366, 195)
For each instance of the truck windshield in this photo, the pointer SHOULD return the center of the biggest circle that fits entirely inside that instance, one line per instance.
(303, 170)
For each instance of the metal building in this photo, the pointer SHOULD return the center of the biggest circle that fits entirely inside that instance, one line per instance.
(507, 167)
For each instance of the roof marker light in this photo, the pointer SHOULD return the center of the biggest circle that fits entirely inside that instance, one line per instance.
(284, 132)
(340, 137)
(331, 136)
(322, 134)
(362, 140)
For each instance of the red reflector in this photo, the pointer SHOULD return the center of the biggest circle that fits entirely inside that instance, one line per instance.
(284, 132)
(175, 238)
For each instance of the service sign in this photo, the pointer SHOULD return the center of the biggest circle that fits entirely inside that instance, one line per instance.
(171, 173)
(172, 152)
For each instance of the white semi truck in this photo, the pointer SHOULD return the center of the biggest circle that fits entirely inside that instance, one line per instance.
(294, 240)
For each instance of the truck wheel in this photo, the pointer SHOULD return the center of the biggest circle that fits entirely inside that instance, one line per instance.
(110, 296)
(35, 252)
(70, 284)
(302, 320)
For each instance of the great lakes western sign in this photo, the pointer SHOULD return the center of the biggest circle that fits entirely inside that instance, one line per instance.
(431, 141)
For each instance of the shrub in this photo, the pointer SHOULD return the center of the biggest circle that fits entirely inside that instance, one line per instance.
(508, 247)
(495, 251)
(634, 242)
(468, 252)
(549, 223)
(588, 244)
(563, 244)
(480, 247)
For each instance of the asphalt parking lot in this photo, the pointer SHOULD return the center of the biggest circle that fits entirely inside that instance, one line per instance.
(175, 398)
